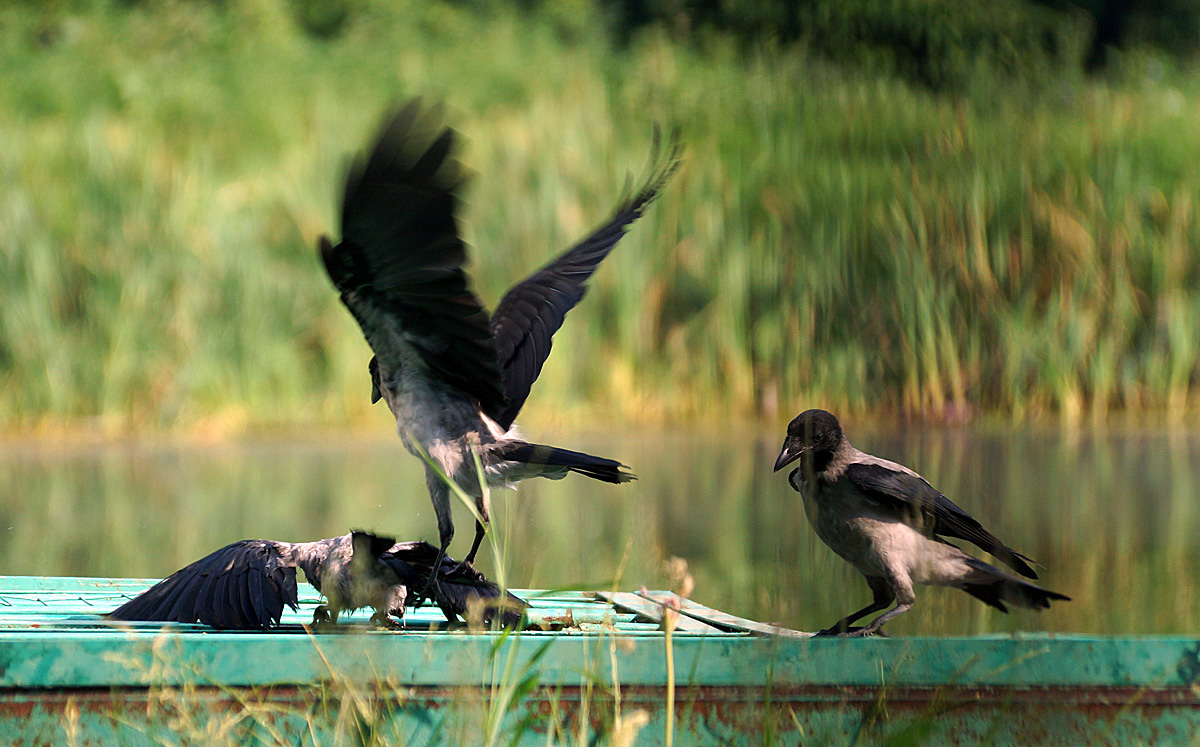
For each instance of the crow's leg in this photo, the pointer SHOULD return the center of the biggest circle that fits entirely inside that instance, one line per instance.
(480, 527)
(439, 493)
(325, 616)
(480, 530)
(320, 615)
(873, 628)
(900, 586)
(882, 596)
(401, 614)
(431, 584)
(483, 503)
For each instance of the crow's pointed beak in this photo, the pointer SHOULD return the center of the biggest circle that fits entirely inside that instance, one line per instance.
(791, 452)
(373, 367)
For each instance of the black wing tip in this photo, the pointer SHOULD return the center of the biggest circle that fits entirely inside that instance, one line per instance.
(412, 139)
(661, 165)
(623, 474)
(1055, 596)
(512, 612)
(1020, 563)
(338, 264)
(416, 130)
(1037, 598)
(617, 474)
(672, 154)
(216, 589)
(129, 612)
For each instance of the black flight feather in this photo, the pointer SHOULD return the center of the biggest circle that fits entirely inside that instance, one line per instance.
(533, 310)
(186, 590)
(254, 592)
(399, 264)
(244, 585)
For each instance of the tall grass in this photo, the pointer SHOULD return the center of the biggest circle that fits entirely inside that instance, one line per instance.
(834, 237)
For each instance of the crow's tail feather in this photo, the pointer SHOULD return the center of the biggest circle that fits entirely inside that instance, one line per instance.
(993, 586)
(597, 468)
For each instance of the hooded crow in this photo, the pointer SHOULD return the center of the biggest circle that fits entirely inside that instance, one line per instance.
(454, 378)
(245, 585)
(890, 524)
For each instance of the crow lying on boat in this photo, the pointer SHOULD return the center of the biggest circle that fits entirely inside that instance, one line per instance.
(245, 585)
(453, 378)
(889, 523)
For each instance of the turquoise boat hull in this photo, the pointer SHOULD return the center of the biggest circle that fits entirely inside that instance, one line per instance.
(595, 670)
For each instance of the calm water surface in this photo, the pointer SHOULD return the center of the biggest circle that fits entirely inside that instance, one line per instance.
(1113, 516)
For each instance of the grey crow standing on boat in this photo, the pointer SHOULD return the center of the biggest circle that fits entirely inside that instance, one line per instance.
(245, 585)
(454, 378)
(890, 524)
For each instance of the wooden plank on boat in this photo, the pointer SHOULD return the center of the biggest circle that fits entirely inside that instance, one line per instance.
(653, 611)
(721, 619)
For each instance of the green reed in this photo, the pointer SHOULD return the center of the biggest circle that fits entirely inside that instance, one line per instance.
(834, 236)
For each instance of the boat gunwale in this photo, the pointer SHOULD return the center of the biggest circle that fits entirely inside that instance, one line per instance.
(76, 648)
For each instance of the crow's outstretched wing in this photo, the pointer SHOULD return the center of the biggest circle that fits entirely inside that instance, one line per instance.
(532, 311)
(912, 494)
(399, 265)
(242, 586)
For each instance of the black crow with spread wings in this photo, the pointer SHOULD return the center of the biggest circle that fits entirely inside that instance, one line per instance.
(454, 377)
(245, 585)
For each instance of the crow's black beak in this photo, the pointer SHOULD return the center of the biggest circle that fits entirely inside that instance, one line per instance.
(373, 367)
(791, 452)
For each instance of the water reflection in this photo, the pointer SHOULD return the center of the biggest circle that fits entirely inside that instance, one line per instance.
(1112, 516)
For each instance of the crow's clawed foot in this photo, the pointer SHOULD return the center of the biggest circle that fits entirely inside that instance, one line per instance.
(866, 632)
(832, 632)
(852, 632)
(323, 619)
(431, 591)
(382, 619)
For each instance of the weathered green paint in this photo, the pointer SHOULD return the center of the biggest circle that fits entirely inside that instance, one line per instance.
(60, 665)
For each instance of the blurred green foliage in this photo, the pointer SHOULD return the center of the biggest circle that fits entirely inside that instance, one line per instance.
(838, 236)
(942, 44)
(947, 44)
(936, 42)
